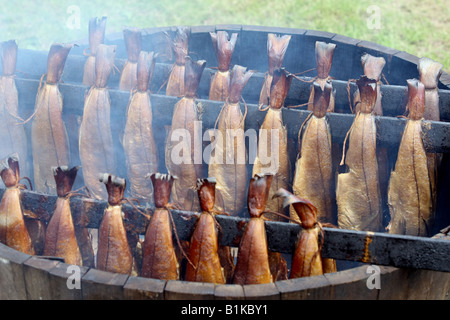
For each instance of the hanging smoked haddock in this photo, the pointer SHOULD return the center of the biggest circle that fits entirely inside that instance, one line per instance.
(138, 141)
(49, 140)
(314, 175)
(179, 151)
(96, 37)
(252, 266)
(13, 230)
(306, 259)
(410, 192)
(12, 133)
(324, 59)
(276, 49)
(95, 141)
(114, 253)
(373, 69)
(60, 240)
(204, 244)
(223, 47)
(133, 43)
(180, 46)
(358, 190)
(228, 164)
(276, 159)
(430, 72)
(159, 258)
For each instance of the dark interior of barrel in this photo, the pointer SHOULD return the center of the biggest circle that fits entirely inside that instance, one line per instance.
(250, 52)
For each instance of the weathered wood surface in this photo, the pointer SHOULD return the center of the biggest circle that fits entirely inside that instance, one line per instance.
(38, 278)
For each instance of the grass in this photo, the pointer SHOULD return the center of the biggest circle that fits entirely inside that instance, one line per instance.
(417, 27)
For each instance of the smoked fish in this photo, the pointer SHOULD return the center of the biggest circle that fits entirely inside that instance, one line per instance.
(410, 191)
(275, 158)
(228, 163)
(49, 140)
(324, 59)
(252, 265)
(114, 253)
(95, 140)
(358, 189)
(430, 72)
(12, 133)
(204, 243)
(133, 44)
(306, 259)
(159, 258)
(138, 141)
(180, 47)
(13, 230)
(60, 238)
(276, 49)
(180, 148)
(314, 175)
(96, 36)
(223, 47)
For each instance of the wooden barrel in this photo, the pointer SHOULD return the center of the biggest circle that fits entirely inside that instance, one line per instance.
(37, 278)
(33, 277)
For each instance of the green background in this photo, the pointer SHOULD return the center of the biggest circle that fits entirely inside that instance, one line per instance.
(421, 28)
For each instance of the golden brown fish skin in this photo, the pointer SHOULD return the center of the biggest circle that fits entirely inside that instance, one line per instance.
(314, 175)
(12, 134)
(204, 244)
(373, 68)
(206, 190)
(48, 132)
(273, 124)
(410, 192)
(133, 44)
(276, 49)
(183, 120)
(252, 266)
(113, 254)
(223, 47)
(96, 36)
(430, 72)
(138, 141)
(231, 176)
(180, 46)
(13, 231)
(324, 59)
(306, 260)
(358, 190)
(95, 141)
(60, 239)
(159, 258)
(230, 170)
